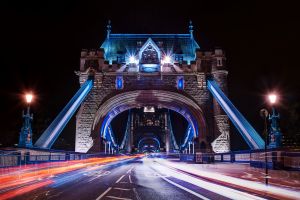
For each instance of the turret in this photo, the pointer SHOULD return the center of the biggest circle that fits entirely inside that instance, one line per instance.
(221, 121)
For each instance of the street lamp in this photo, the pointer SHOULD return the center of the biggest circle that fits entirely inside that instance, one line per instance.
(264, 114)
(28, 98)
(275, 133)
(272, 98)
(25, 139)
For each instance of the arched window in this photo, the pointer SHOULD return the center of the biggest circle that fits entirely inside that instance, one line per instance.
(149, 56)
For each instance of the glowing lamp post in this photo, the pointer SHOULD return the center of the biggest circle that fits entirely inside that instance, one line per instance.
(274, 133)
(25, 139)
(272, 98)
(273, 138)
(28, 98)
(264, 114)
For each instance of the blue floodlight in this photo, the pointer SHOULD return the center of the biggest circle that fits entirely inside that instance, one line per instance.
(119, 82)
(180, 83)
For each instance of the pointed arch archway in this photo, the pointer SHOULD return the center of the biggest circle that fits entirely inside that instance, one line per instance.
(140, 98)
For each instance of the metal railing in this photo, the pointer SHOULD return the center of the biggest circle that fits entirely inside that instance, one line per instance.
(18, 158)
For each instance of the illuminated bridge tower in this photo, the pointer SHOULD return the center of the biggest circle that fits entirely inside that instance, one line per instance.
(164, 71)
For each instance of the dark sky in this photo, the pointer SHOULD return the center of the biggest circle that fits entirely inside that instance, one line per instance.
(41, 42)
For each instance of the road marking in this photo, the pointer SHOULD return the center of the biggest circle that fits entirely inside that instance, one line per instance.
(129, 171)
(123, 182)
(154, 174)
(99, 175)
(112, 197)
(104, 193)
(116, 188)
(136, 194)
(186, 189)
(213, 187)
(130, 181)
(120, 179)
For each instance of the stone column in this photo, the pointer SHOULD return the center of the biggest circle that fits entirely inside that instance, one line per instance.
(221, 122)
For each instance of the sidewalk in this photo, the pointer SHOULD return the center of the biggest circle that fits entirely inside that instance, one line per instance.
(282, 184)
(281, 178)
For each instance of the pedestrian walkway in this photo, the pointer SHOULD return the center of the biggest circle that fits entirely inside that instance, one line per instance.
(281, 178)
(283, 184)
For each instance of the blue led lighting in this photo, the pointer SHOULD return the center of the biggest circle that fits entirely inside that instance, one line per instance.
(53, 131)
(180, 83)
(150, 67)
(252, 138)
(189, 135)
(119, 82)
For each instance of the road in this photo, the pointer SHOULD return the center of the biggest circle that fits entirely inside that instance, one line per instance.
(138, 178)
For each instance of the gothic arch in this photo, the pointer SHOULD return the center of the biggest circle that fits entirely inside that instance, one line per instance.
(151, 43)
(139, 98)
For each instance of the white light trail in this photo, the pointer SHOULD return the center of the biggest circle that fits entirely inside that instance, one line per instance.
(215, 188)
(260, 187)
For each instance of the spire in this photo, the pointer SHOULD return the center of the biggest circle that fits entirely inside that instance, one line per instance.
(108, 29)
(191, 29)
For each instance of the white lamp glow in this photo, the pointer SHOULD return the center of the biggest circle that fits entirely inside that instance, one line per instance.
(272, 98)
(132, 60)
(28, 98)
(167, 59)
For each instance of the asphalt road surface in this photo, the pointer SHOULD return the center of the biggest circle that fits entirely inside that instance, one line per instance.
(139, 178)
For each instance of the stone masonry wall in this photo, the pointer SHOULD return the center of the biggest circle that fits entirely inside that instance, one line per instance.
(104, 88)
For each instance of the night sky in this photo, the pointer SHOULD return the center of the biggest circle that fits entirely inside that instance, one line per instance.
(41, 44)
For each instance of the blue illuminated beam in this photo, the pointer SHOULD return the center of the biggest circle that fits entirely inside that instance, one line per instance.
(50, 135)
(110, 136)
(189, 135)
(252, 138)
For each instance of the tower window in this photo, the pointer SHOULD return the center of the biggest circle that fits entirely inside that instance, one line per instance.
(219, 61)
(180, 83)
(119, 83)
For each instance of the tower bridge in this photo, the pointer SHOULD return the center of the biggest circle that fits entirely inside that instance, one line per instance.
(146, 73)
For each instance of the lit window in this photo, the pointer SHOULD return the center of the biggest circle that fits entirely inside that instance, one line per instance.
(180, 83)
(119, 83)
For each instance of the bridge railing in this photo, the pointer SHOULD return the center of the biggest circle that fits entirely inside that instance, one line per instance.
(32, 156)
(276, 159)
